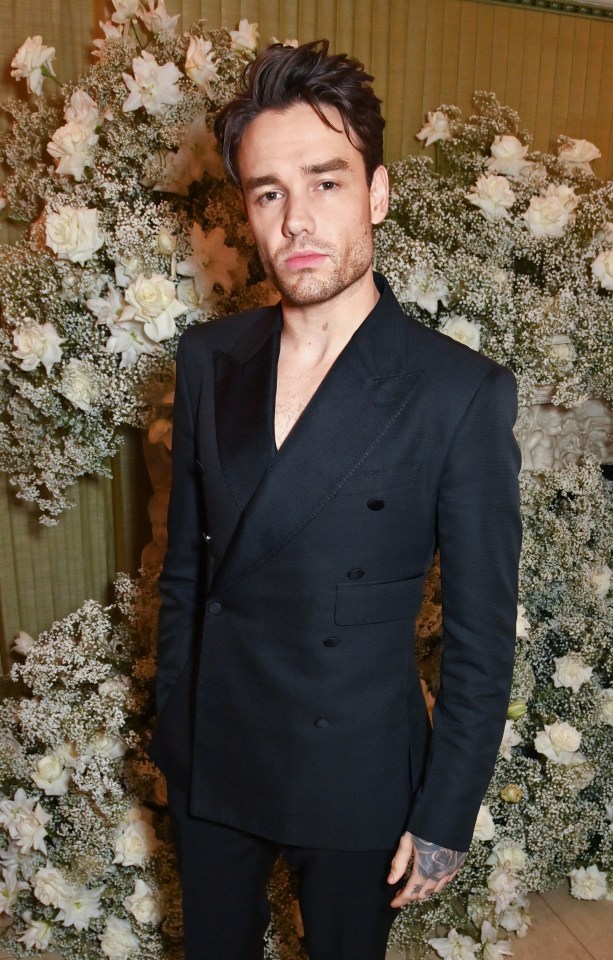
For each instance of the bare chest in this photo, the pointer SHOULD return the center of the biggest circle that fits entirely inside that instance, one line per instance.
(295, 388)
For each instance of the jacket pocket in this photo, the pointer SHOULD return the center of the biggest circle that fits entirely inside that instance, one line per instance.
(377, 601)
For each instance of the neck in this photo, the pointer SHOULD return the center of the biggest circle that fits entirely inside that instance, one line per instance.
(320, 330)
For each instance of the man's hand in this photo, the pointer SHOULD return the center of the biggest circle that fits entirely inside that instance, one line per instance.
(433, 868)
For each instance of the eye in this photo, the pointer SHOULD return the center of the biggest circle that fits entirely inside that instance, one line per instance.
(328, 185)
(269, 197)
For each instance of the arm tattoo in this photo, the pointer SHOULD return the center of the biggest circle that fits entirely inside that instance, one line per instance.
(434, 862)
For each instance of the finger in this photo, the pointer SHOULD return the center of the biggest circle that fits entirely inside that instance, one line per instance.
(413, 892)
(401, 860)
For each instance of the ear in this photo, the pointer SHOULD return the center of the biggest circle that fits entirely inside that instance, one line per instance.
(379, 195)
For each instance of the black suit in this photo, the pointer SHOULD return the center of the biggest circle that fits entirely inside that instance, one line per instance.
(289, 699)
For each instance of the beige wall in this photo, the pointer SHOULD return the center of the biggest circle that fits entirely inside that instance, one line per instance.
(556, 70)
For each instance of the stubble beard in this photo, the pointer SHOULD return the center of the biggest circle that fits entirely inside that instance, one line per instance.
(307, 286)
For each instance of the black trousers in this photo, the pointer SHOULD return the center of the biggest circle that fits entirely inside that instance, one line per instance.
(344, 895)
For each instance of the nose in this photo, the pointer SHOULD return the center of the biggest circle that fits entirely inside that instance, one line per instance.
(298, 217)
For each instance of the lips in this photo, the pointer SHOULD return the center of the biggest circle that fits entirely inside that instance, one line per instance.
(304, 259)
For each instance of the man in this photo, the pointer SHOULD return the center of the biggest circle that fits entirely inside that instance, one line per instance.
(323, 449)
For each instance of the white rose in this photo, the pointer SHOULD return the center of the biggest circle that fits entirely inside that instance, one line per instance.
(578, 154)
(200, 64)
(590, 884)
(51, 776)
(72, 233)
(522, 627)
(155, 304)
(510, 738)
(493, 196)
(77, 385)
(37, 343)
(606, 705)
(83, 110)
(125, 10)
(560, 347)
(135, 844)
(437, 128)
(560, 743)
(484, 826)
(71, 145)
(508, 157)
(117, 941)
(51, 887)
(246, 37)
(571, 672)
(566, 195)
(143, 904)
(463, 330)
(107, 745)
(600, 579)
(602, 269)
(546, 217)
(23, 643)
(509, 854)
(29, 61)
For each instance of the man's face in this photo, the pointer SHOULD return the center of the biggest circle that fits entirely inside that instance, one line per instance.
(309, 206)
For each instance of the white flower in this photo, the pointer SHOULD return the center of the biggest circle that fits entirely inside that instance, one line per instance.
(118, 686)
(606, 705)
(464, 331)
(600, 579)
(455, 946)
(104, 744)
(566, 195)
(25, 819)
(153, 302)
(493, 196)
(522, 628)
(135, 844)
(10, 888)
(125, 10)
(509, 157)
(503, 888)
(571, 672)
(82, 109)
(177, 174)
(37, 343)
(29, 61)
(127, 269)
(578, 153)
(157, 19)
(546, 217)
(51, 887)
(560, 743)
(111, 32)
(510, 855)
(37, 935)
(197, 155)
(107, 310)
(484, 826)
(117, 941)
(77, 384)
(516, 918)
(23, 643)
(143, 904)
(246, 37)
(80, 907)
(129, 339)
(605, 233)
(602, 269)
(152, 87)
(211, 260)
(166, 242)
(71, 145)
(436, 128)
(72, 233)
(200, 64)
(590, 884)
(510, 738)
(69, 753)
(427, 289)
(51, 776)
(493, 948)
(560, 347)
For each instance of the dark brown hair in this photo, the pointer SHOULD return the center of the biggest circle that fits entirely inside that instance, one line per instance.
(281, 76)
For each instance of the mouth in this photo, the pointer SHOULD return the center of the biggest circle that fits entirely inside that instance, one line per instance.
(304, 259)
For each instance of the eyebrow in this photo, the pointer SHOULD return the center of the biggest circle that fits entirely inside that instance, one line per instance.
(334, 165)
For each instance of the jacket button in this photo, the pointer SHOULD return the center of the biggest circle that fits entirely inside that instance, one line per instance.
(206, 537)
(322, 722)
(331, 642)
(356, 574)
(375, 504)
(214, 607)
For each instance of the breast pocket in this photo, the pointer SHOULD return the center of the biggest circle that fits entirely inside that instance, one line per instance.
(377, 602)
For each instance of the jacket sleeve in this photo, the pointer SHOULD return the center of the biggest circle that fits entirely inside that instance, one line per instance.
(180, 584)
(479, 537)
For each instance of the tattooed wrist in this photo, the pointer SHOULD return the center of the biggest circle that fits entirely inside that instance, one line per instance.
(435, 861)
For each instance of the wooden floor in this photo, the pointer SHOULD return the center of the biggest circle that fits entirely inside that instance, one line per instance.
(562, 929)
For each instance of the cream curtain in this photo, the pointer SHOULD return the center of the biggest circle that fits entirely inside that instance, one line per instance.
(556, 70)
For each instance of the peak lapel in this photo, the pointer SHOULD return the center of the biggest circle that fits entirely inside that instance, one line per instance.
(367, 388)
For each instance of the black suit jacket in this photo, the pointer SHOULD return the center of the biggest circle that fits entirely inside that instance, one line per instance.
(289, 702)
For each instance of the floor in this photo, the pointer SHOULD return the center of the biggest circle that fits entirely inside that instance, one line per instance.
(562, 929)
